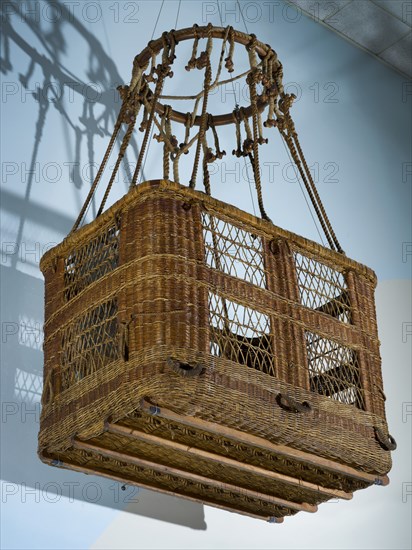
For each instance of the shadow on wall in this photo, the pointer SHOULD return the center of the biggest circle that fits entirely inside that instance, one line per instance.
(22, 294)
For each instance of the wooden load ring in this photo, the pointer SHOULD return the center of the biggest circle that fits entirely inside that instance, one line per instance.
(193, 33)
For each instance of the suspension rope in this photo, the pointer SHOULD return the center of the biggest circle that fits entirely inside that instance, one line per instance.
(291, 140)
(151, 73)
(211, 124)
(252, 79)
(316, 194)
(303, 193)
(207, 152)
(288, 132)
(182, 150)
(125, 143)
(212, 87)
(203, 119)
(267, 71)
(159, 86)
(296, 160)
(100, 170)
(127, 113)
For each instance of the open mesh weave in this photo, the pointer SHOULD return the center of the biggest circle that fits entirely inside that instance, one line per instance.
(322, 288)
(92, 261)
(233, 250)
(240, 334)
(334, 370)
(89, 342)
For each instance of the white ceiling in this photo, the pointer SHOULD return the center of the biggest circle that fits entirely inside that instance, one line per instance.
(383, 28)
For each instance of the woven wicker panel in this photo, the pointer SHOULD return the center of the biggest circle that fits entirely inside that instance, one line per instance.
(240, 334)
(88, 343)
(334, 370)
(322, 288)
(92, 261)
(233, 250)
(211, 315)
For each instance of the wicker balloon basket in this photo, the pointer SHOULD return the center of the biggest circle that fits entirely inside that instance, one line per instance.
(198, 350)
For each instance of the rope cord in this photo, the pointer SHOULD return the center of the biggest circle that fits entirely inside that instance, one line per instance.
(206, 175)
(252, 79)
(292, 143)
(316, 194)
(182, 150)
(125, 115)
(203, 121)
(158, 90)
(303, 193)
(212, 87)
(230, 67)
(268, 71)
(134, 181)
(125, 143)
(99, 172)
(178, 12)
(296, 159)
(219, 153)
(286, 123)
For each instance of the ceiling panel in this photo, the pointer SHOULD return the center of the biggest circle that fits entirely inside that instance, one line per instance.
(380, 27)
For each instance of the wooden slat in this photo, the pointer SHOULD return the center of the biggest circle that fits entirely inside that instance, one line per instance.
(84, 470)
(200, 453)
(256, 441)
(196, 478)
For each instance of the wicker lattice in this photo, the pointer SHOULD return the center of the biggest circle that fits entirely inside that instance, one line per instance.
(201, 351)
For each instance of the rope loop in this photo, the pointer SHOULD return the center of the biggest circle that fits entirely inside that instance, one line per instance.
(185, 369)
(387, 442)
(229, 65)
(291, 405)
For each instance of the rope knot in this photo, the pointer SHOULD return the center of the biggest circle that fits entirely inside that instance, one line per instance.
(285, 103)
(201, 61)
(254, 77)
(229, 65)
(163, 70)
(247, 146)
(130, 106)
(251, 45)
